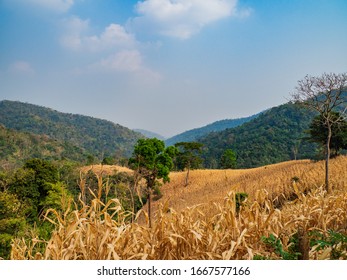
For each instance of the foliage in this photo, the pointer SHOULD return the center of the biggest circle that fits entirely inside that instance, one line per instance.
(228, 159)
(318, 132)
(12, 221)
(108, 161)
(27, 193)
(101, 231)
(33, 184)
(17, 147)
(326, 95)
(152, 162)
(270, 138)
(335, 242)
(276, 245)
(99, 137)
(188, 155)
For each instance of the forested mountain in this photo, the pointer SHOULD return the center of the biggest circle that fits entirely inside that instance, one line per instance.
(194, 134)
(16, 147)
(150, 134)
(99, 137)
(274, 136)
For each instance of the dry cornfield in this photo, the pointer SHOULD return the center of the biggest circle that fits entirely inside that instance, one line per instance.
(105, 169)
(202, 221)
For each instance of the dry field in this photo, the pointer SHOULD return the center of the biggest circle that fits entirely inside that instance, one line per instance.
(211, 186)
(286, 206)
(103, 169)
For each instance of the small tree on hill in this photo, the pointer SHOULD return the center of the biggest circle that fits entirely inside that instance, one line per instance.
(152, 161)
(325, 94)
(188, 156)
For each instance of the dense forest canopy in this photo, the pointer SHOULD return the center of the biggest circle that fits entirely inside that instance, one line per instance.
(99, 137)
(274, 136)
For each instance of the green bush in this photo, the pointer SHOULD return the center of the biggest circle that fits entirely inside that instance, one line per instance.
(335, 240)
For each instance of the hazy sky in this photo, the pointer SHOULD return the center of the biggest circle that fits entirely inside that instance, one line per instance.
(166, 65)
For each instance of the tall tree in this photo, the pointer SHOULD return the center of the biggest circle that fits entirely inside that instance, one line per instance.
(152, 161)
(325, 94)
(189, 156)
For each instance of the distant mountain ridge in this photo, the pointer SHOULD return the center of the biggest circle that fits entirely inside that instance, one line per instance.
(274, 136)
(194, 134)
(99, 137)
(149, 134)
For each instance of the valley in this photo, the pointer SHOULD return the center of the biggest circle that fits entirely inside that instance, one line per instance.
(70, 182)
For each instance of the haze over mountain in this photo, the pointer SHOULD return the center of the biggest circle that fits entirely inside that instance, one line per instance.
(162, 65)
(275, 135)
(194, 134)
(149, 134)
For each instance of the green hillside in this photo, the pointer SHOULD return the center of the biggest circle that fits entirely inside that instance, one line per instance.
(17, 147)
(194, 134)
(99, 137)
(275, 136)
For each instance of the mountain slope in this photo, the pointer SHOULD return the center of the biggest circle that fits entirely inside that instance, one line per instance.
(275, 136)
(99, 137)
(194, 134)
(17, 147)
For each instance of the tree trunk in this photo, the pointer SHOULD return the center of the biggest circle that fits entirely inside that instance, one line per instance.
(304, 244)
(149, 208)
(327, 187)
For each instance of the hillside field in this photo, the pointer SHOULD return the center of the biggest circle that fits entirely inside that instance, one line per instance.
(287, 215)
(211, 186)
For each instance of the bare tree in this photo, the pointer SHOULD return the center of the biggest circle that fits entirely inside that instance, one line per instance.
(325, 94)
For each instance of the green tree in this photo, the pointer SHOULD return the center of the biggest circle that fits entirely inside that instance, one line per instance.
(318, 133)
(228, 159)
(108, 161)
(325, 94)
(151, 161)
(188, 157)
(12, 222)
(33, 183)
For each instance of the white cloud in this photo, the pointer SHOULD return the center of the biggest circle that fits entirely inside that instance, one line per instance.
(74, 30)
(76, 38)
(120, 49)
(124, 61)
(181, 18)
(114, 35)
(21, 67)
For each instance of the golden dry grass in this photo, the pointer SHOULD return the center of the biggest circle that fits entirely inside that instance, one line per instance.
(103, 169)
(212, 230)
(210, 186)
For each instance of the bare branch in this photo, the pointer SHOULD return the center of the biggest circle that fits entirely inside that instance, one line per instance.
(327, 95)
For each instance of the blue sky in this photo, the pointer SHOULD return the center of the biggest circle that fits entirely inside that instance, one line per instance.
(166, 65)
